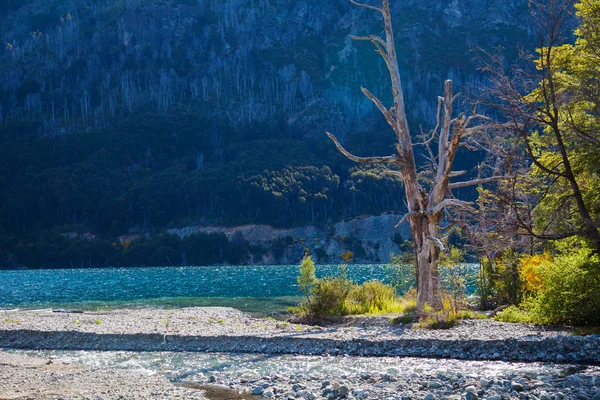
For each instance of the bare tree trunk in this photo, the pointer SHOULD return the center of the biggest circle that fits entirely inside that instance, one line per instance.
(424, 210)
(427, 256)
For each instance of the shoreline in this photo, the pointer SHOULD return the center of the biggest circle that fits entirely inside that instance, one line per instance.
(26, 377)
(226, 330)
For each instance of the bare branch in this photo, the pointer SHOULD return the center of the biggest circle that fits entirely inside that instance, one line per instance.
(475, 182)
(468, 146)
(454, 174)
(395, 173)
(437, 243)
(449, 203)
(386, 113)
(367, 6)
(476, 116)
(379, 43)
(364, 160)
(370, 38)
(406, 217)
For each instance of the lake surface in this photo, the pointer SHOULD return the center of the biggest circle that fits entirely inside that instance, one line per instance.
(254, 289)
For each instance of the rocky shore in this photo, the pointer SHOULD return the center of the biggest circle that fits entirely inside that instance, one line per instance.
(23, 377)
(467, 382)
(228, 330)
(231, 355)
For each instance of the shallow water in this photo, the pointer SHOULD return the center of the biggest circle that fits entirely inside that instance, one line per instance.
(186, 367)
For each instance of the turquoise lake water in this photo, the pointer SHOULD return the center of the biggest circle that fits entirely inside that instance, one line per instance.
(258, 289)
(254, 289)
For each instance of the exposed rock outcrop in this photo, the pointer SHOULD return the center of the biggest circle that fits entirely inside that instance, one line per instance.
(369, 238)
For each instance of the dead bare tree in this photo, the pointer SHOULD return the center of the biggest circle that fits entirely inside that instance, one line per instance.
(425, 207)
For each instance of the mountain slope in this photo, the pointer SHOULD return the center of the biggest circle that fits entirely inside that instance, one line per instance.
(140, 115)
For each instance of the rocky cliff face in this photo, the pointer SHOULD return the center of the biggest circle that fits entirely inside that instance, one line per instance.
(369, 238)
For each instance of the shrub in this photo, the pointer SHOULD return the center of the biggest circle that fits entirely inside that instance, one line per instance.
(329, 297)
(508, 282)
(486, 279)
(569, 291)
(372, 298)
(561, 291)
(515, 314)
(532, 271)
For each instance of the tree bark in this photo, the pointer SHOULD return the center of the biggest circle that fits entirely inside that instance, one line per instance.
(427, 256)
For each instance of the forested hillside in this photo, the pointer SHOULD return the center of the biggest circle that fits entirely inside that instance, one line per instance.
(133, 116)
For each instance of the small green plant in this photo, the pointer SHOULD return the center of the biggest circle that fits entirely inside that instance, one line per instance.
(515, 314)
(307, 278)
(220, 321)
(11, 321)
(77, 322)
(98, 322)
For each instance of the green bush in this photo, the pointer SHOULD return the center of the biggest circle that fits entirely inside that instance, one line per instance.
(337, 296)
(567, 293)
(516, 314)
(329, 297)
(372, 298)
(570, 291)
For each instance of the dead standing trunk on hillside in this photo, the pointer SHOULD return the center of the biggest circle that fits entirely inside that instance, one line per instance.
(424, 210)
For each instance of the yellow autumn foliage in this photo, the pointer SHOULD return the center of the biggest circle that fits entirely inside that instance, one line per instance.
(347, 256)
(532, 271)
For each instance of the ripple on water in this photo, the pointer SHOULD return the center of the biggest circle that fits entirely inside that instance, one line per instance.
(198, 366)
(250, 288)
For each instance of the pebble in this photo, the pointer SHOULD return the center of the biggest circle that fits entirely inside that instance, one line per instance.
(344, 391)
(257, 391)
(471, 396)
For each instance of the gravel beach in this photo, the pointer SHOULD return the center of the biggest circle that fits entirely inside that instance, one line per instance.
(24, 377)
(126, 354)
(228, 330)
